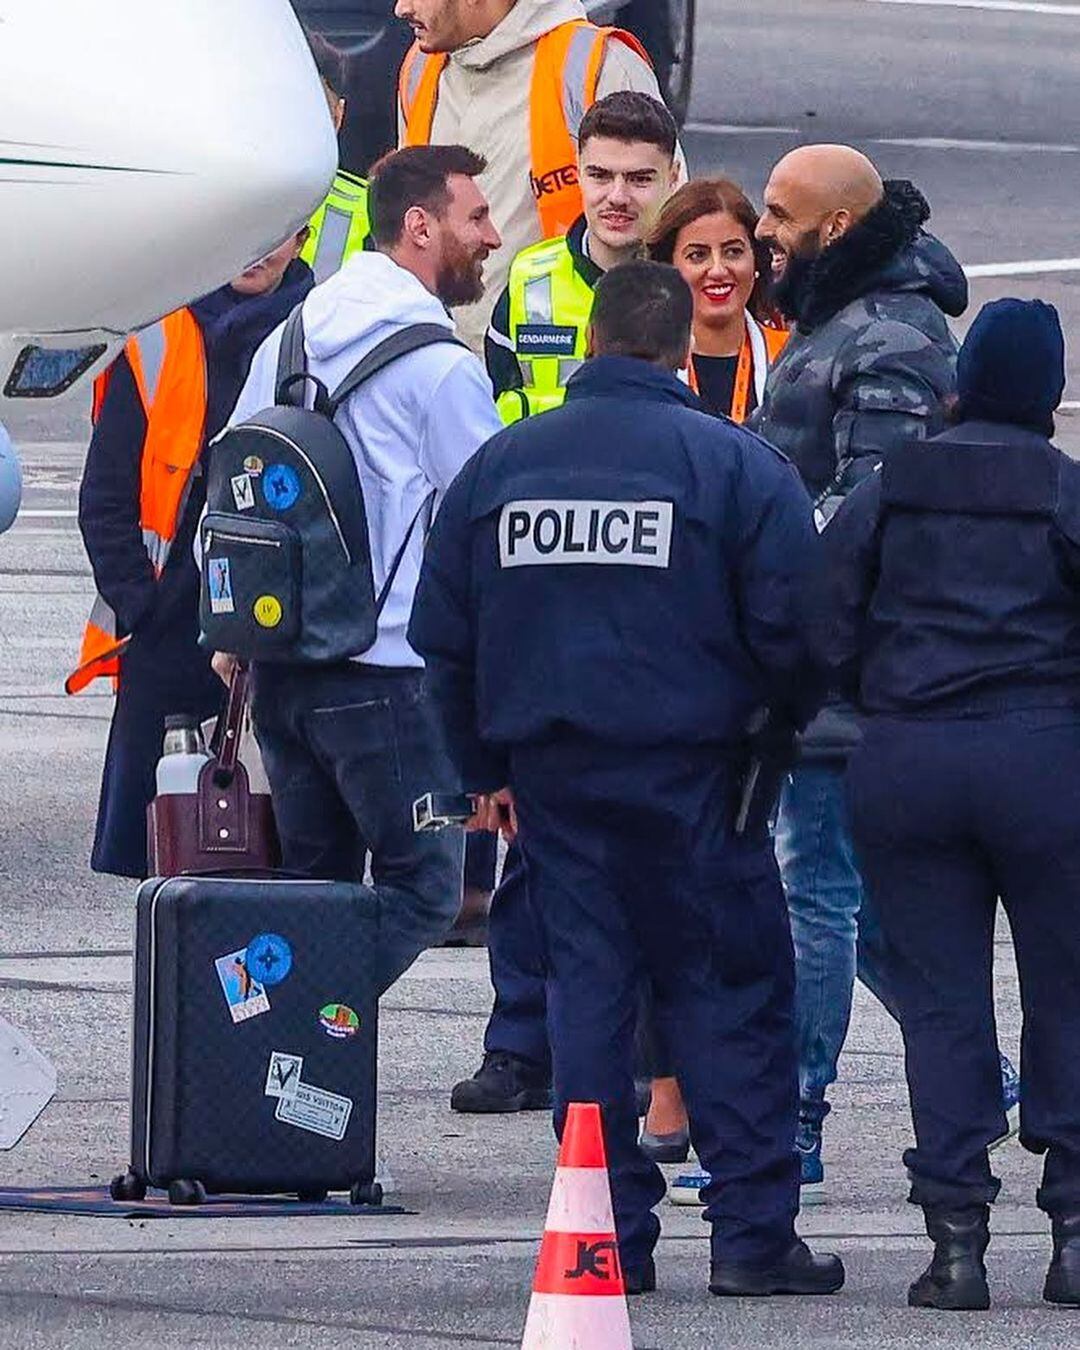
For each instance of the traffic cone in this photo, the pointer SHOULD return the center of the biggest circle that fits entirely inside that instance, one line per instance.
(579, 1298)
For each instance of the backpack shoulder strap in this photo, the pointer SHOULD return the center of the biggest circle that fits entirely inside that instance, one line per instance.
(391, 349)
(290, 385)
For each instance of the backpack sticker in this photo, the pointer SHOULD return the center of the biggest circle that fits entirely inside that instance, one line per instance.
(281, 486)
(339, 1021)
(219, 583)
(244, 995)
(253, 465)
(267, 611)
(243, 492)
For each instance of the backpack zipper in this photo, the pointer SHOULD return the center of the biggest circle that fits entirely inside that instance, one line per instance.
(269, 431)
(211, 535)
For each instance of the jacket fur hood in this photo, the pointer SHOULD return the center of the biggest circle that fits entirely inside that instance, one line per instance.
(888, 250)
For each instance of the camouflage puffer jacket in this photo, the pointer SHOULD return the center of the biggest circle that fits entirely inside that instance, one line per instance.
(871, 357)
(867, 368)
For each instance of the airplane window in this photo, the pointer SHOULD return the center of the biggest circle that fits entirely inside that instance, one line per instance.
(45, 372)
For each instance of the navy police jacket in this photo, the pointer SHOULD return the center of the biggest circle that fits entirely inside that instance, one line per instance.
(949, 584)
(624, 567)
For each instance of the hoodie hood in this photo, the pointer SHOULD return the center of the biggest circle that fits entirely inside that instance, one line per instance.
(527, 21)
(367, 300)
(888, 250)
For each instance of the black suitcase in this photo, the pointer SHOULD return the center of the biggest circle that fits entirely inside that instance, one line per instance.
(254, 1039)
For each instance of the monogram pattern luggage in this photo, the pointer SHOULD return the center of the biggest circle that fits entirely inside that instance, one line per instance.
(254, 1039)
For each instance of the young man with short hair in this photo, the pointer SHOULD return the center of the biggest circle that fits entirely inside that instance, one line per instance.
(627, 170)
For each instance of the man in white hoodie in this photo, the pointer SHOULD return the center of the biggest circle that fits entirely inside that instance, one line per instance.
(513, 79)
(348, 748)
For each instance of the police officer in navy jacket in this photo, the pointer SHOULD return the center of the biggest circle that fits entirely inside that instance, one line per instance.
(656, 551)
(949, 607)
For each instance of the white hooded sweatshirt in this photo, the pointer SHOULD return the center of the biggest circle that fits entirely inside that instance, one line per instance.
(411, 428)
(484, 102)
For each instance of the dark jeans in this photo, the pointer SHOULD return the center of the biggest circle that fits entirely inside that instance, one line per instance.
(348, 749)
(834, 926)
(633, 877)
(948, 816)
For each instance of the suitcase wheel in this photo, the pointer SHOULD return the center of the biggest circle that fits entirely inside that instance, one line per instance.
(184, 1192)
(366, 1193)
(127, 1186)
(311, 1197)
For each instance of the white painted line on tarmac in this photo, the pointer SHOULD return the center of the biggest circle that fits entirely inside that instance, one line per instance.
(997, 147)
(1006, 6)
(734, 129)
(1033, 268)
(61, 513)
(1069, 406)
(911, 142)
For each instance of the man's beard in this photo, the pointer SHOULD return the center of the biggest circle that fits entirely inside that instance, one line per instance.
(789, 290)
(458, 281)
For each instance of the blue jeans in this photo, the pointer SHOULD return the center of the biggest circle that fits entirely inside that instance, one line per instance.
(348, 749)
(834, 927)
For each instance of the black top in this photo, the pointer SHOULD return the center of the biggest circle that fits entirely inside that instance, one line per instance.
(716, 384)
(951, 579)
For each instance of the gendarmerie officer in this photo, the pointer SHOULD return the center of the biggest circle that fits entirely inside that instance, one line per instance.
(655, 551)
(949, 605)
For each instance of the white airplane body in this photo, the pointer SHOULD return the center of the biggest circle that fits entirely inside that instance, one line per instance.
(148, 153)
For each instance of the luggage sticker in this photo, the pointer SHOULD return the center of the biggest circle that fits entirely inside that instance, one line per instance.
(269, 958)
(283, 1075)
(339, 1021)
(253, 465)
(267, 611)
(219, 582)
(281, 486)
(243, 492)
(244, 995)
(316, 1111)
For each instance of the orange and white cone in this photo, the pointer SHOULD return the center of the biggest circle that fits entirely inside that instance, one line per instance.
(579, 1298)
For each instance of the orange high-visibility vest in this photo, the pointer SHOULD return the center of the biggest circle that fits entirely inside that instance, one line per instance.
(566, 72)
(168, 361)
(773, 340)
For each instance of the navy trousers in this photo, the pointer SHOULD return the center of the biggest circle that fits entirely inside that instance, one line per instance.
(518, 1022)
(948, 816)
(634, 876)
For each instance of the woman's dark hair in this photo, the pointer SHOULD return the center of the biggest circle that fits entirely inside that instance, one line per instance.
(710, 197)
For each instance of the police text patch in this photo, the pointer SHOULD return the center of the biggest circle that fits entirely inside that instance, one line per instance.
(634, 534)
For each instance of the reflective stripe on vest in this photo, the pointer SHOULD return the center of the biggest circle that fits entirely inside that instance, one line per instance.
(566, 73)
(339, 228)
(761, 346)
(550, 304)
(168, 362)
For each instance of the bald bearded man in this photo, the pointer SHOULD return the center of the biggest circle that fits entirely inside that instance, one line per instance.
(868, 365)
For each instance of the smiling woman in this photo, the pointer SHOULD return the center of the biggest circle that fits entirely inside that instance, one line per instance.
(706, 230)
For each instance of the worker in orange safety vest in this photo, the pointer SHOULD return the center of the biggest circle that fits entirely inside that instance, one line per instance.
(155, 410)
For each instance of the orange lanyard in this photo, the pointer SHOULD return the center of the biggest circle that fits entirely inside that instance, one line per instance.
(744, 374)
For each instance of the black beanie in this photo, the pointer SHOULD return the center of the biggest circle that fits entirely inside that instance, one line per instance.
(1011, 367)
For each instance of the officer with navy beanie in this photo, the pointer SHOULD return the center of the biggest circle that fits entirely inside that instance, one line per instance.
(947, 604)
(656, 551)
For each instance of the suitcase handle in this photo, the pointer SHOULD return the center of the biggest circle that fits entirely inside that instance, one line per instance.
(250, 874)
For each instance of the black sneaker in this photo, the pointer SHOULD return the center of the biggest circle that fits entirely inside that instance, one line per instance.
(798, 1271)
(502, 1084)
(641, 1279)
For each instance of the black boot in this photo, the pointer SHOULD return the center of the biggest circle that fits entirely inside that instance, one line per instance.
(503, 1083)
(956, 1277)
(798, 1271)
(1063, 1277)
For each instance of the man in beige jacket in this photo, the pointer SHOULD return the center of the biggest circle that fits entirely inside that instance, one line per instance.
(512, 79)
